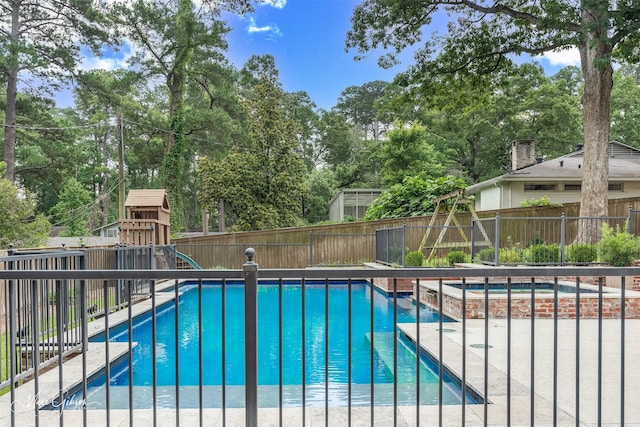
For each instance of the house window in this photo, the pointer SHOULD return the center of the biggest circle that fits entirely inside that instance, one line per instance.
(613, 186)
(540, 187)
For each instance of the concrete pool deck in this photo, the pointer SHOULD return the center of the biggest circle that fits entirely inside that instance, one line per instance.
(452, 358)
(543, 356)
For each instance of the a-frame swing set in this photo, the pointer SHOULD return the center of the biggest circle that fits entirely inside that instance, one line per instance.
(442, 205)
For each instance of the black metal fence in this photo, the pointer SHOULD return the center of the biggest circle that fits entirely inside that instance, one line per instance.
(41, 311)
(500, 241)
(528, 357)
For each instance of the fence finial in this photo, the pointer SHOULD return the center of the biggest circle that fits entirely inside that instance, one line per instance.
(250, 253)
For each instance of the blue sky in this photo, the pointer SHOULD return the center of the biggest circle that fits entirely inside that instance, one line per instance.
(307, 39)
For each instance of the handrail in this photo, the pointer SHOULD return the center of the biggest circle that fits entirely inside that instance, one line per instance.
(186, 258)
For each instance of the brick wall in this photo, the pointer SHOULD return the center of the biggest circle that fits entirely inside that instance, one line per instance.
(521, 306)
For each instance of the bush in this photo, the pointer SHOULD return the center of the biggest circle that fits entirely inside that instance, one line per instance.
(511, 256)
(582, 253)
(618, 248)
(542, 201)
(486, 255)
(414, 259)
(455, 257)
(544, 254)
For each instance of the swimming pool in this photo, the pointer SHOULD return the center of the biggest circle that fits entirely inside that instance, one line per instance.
(519, 288)
(317, 368)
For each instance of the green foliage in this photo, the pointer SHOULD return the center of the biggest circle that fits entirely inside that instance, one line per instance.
(486, 255)
(457, 257)
(18, 222)
(511, 256)
(542, 201)
(264, 185)
(321, 189)
(618, 247)
(407, 152)
(414, 259)
(543, 254)
(414, 197)
(72, 209)
(579, 253)
(478, 46)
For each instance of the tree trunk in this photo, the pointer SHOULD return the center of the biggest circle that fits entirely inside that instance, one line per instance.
(12, 96)
(10, 126)
(596, 102)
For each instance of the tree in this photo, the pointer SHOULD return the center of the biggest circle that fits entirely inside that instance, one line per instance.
(43, 38)
(19, 225)
(484, 35)
(322, 188)
(414, 197)
(406, 152)
(262, 184)
(358, 104)
(353, 160)
(50, 150)
(170, 34)
(72, 209)
(625, 109)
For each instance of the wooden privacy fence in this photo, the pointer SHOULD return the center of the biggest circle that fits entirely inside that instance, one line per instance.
(347, 243)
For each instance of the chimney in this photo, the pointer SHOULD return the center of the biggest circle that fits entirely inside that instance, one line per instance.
(523, 153)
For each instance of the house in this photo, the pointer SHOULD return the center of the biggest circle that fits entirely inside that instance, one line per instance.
(559, 179)
(352, 202)
(108, 231)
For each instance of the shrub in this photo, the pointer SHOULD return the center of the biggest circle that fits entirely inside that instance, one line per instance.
(618, 248)
(543, 254)
(511, 256)
(455, 257)
(414, 259)
(486, 255)
(582, 253)
(542, 201)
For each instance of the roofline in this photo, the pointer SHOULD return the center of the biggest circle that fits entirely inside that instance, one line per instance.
(518, 176)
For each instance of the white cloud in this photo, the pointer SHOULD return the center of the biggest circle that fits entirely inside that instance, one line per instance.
(270, 29)
(93, 63)
(278, 4)
(110, 59)
(563, 57)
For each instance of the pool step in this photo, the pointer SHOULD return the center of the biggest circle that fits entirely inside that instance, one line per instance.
(383, 346)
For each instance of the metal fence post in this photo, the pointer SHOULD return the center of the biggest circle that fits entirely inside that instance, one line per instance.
(473, 238)
(119, 281)
(250, 273)
(562, 239)
(388, 257)
(629, 225)
(310, 249)
(152, 258)
(497, 239)
(404, 236)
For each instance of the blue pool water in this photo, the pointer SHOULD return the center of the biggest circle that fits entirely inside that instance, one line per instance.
(519, 288)
(186, 339)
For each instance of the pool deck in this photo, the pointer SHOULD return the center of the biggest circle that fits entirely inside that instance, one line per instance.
(521, 374)
(406, 415)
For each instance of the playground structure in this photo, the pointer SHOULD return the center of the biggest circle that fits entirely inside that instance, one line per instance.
(147, 218)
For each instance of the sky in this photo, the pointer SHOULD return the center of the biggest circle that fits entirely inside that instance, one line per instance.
(307, 40)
